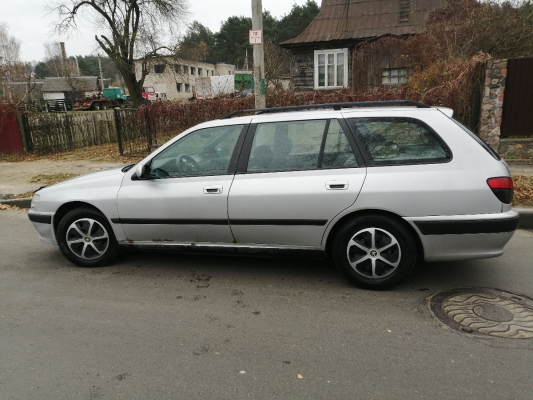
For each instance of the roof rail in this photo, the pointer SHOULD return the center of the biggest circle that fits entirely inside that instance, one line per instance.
(335, 106)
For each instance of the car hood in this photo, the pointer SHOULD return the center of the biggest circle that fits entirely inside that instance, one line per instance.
(93, 180)
(92, 176)
(98, 189)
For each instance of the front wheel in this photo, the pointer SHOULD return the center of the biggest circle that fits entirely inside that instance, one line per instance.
(374, 251)
(85, 238)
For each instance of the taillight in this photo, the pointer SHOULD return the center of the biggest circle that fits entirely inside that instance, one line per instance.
(502, 187)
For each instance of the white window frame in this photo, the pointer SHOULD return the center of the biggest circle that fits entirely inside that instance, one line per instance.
(326, 53)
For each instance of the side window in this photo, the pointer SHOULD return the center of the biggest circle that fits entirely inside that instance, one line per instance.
(337, 151)
(300, 145)
(399, 141)
(203, 152)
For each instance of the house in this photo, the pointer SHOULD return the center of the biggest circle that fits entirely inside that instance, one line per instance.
(177, 78)
(324, 54)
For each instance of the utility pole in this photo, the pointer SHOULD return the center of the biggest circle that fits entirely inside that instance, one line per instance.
(259, 65)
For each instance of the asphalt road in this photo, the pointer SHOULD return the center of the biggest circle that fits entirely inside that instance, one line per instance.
(163, 326)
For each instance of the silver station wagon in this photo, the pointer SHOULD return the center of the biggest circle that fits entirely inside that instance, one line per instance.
(374, 186)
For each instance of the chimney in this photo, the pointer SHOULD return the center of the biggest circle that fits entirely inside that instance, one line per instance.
(64, 58)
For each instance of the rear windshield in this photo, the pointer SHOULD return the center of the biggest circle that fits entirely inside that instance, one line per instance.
(479, 140)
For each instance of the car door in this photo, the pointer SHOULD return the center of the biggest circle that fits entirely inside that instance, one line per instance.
(185, 197)
(294, 177)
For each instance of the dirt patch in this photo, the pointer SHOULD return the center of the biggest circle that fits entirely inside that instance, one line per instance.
(50, 179)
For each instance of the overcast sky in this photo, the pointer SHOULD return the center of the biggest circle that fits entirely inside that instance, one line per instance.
(29, 22)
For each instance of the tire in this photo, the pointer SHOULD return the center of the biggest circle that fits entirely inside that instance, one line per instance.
(95, 106)
(374, 252)
(103, 106)
(86, 239)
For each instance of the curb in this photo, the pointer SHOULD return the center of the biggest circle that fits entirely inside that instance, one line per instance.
(526, 218)
(525, 221)
(20, 203)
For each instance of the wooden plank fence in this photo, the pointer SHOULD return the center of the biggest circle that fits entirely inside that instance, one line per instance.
(47, 133)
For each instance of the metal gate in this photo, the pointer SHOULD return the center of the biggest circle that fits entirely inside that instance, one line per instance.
(517, 116)
(134, 135)
(10, 141)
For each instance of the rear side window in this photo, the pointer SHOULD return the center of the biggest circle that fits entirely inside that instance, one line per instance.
(394, 141)
(299, 146)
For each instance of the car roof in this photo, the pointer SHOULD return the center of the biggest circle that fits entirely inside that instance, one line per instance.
(315, 114)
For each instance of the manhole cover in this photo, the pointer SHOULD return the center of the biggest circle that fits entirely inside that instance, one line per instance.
(484, 312)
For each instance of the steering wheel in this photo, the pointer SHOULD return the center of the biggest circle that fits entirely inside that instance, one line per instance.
(159, 173)
(186, 163)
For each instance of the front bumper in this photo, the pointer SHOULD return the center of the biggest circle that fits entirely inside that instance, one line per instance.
(465, 237)
(42, 223)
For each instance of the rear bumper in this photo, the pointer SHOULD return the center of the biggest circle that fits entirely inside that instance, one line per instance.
(464, 237)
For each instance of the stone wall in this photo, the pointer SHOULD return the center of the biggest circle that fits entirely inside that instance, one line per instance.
(492, 102)
(516, 148)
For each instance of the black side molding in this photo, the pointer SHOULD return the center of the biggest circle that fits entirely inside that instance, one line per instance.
(191, 221)
(280, 222)
(467, 227)
(169, 221)
(41, 219)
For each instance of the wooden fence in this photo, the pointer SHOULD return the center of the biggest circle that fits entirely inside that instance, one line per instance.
(53, 132)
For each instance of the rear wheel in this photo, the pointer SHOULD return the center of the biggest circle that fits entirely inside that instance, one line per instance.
(95, 106)
(86, 238)
(374, 251)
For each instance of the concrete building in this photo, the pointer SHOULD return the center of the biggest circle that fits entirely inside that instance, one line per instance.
(177, 78)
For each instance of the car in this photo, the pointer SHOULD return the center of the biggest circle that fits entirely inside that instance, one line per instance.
(373, 185)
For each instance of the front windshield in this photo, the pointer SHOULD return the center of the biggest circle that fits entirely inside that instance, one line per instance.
(149, 90)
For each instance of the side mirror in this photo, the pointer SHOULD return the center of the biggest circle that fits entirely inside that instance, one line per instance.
(142, 171)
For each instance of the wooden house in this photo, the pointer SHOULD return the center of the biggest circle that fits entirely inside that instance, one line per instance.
(324, 54)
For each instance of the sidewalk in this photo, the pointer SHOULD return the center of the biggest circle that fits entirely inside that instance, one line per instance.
(15, 179)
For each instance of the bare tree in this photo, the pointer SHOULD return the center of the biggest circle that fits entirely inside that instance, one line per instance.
(130, 31)
(501, 28)
(9, 61)
(277, 65)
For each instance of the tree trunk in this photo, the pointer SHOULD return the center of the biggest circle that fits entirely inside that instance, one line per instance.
(134, 89)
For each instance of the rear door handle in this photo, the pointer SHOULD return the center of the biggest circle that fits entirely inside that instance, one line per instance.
(337, 185)
(213, 189)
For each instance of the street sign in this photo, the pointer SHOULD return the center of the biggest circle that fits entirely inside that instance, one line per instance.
(255, 37)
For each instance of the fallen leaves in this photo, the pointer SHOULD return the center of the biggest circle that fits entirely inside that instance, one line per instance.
(8, 207)
(523, 191)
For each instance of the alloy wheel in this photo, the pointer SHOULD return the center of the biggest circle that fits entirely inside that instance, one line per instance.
(87, 239)
(374, 253)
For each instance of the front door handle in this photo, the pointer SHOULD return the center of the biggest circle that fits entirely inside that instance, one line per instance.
(337, 185)
(213, 189)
